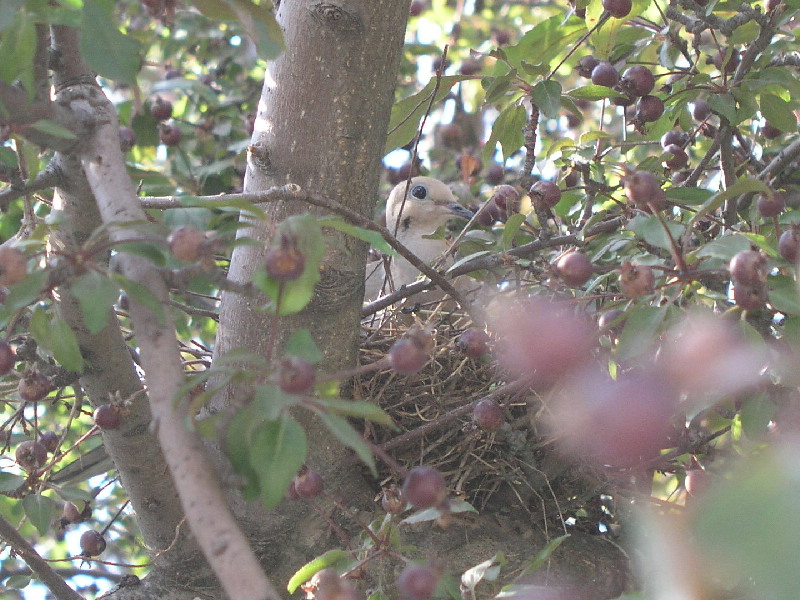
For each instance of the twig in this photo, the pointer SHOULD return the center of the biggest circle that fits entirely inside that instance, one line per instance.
(445, 419)
(47, 575)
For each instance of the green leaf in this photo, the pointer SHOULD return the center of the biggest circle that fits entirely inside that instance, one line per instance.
(18, 582)
(374, 238)
(545, 41)
(238, 438)
(744, 34)
(784, 296)
(641, 327)
(650, 229)
(507, 131)
(26, 291)
(407, 114)
(345, 433)
(260, 24)
(360, 409)
(17, 47)
(592, 92)
(511, 228)
(756, 414)
(144, 249)
(278, 450)
(96, 293)
(105, 48)
(216, 10)
(723, 247)
(302, 345)
(725, 106)
(547, 96)
(308, 570)
(778, 112)
(743, 186)
(748, 525)
(544, 554)
(10, 482)
(54, 129)
(272, 402)
(55, 336)
(294, 296)
(40, 510)
(138, 293)
(690, 196)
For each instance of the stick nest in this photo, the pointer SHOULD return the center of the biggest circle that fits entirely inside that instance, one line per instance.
(506, 469)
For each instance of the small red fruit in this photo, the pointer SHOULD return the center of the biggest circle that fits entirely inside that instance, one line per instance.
(605, 74)
(770, 132)
(33, 386)
(406, 357)
(424, 487)
(127, 138)
(701, 110)
(674, 137)
(473, 342)
(417, 582)
(107, 416)
(161, 109)
(506, 197)
(71, 514)
(169, 134)
(308, 484)
(545, 193)
(643, 190)
(92, 543)
(284, 261)
(416, 8)
(649, 109)
(750, 297)
(8, 358)
(488, 415)
(31, 455)
(296, 375)
(186, 243)
(636, 281)
(638, 81)
(13, 265)
(749, 268)
(771, 205)
(586, 65)
(676, 157)
(49, 440)
(789, 244)
(618, 9)
(495, 174)
(574, 268)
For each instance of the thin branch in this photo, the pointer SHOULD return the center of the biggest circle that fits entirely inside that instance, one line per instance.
(43, 180)
(46, 574)
(294, 192)
(447, 418)
(20, 113)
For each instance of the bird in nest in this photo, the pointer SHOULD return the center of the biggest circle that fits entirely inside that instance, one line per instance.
(415, 210)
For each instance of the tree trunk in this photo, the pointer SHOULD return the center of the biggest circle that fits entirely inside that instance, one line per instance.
(323, 117)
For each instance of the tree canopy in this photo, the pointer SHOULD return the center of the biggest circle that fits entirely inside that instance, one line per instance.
(604, 405)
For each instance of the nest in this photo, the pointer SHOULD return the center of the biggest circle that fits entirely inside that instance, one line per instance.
(433, 411)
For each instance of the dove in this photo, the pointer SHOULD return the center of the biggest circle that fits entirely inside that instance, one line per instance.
(414, 210)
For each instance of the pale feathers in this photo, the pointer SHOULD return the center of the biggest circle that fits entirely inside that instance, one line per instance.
(429, 204)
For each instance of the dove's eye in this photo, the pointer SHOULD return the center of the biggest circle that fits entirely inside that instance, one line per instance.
(419, 191)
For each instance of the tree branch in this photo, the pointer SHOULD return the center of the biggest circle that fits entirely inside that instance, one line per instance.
(224, 546)
(47, 575)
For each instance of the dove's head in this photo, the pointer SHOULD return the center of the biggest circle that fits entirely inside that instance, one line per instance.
(428, 205)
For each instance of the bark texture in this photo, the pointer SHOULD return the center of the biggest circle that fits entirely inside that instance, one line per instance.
(321, 124)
